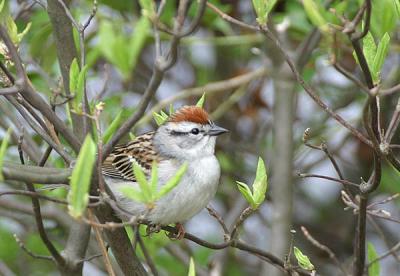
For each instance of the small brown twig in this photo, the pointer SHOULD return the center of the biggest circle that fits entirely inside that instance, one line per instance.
(239, 221)
(351, 77)
(34, 98)
(58, 258)
(386, 200)
(68, 159)
(394, 249)
(380, 232)
(146, 255)
(111, 225)
(218, 217)
(367, 7)
(29, 252)
(102, 246)
(266, 256)
(389, 91)
(342, 181)
(12, 90)
(324, 248)
(393, 125)
(35, 195)
(230, 19)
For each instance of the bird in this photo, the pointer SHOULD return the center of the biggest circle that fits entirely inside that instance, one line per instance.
(188, 136)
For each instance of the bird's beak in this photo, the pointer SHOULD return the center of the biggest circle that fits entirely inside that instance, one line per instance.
(216, 130)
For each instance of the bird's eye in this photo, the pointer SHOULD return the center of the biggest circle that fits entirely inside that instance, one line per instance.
(195, 131)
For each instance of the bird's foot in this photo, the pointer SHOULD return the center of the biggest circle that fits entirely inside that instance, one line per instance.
(181, 232)
(153, 228)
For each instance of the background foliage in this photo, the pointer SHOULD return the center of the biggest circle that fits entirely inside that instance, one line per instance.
(244, 77)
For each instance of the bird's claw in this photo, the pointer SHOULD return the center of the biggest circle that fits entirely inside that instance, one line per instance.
(153, 228)
(181, 232)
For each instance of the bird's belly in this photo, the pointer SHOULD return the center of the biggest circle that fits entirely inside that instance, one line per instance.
(181, 207)
(195, 190)
(191, 195)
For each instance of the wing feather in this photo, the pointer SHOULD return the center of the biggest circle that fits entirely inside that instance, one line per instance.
(119, 164)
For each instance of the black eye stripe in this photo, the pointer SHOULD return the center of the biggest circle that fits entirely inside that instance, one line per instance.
(178, 133)
(181, 133)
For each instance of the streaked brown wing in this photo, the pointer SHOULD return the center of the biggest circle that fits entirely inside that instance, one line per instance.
(119, 164)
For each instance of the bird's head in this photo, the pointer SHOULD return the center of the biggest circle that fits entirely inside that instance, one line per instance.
(188, 134)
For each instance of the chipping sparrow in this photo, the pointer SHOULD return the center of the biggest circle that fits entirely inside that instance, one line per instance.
(188, 136)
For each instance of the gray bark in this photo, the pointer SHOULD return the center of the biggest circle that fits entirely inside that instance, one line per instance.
(282, 183)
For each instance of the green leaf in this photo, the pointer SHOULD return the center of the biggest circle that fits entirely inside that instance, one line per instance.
(6, 18)
(2, 5)
(200, 102)
(260, 183)
(303, 260)
(397, 7)
(80, 88)
(192, 271)
(262, 9)
(246, 192)
(133, 193)
(380, 56)
(154, 177)
(373, 269)
(73, 76)
(107, 37)
(21, 35)
(171, 109)
(142, 181)
(3, 149)
(148, 7)
(78, 195)
(160, 118)
(384, 17)
(369, 48)
(115, 124)
(12, 29)
(114, 46)
(171, 183)
(314, 13)
(138, 41)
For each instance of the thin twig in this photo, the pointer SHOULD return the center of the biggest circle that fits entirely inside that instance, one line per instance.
(91, 16)
(230, 18)
(393, 125)
(367, 21)
(389, 91)
(103, 248)
(382, 235)
(35, 195)
(351, 77)
(39, 131)
(386, 200)
(39, 221)
(239, 221)
(236, 244)
(34, 98)
(218, 217)
(12, 90)
(29, 252)
(147, 256)
(342, 181)
(325, 249)
(384, 255)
